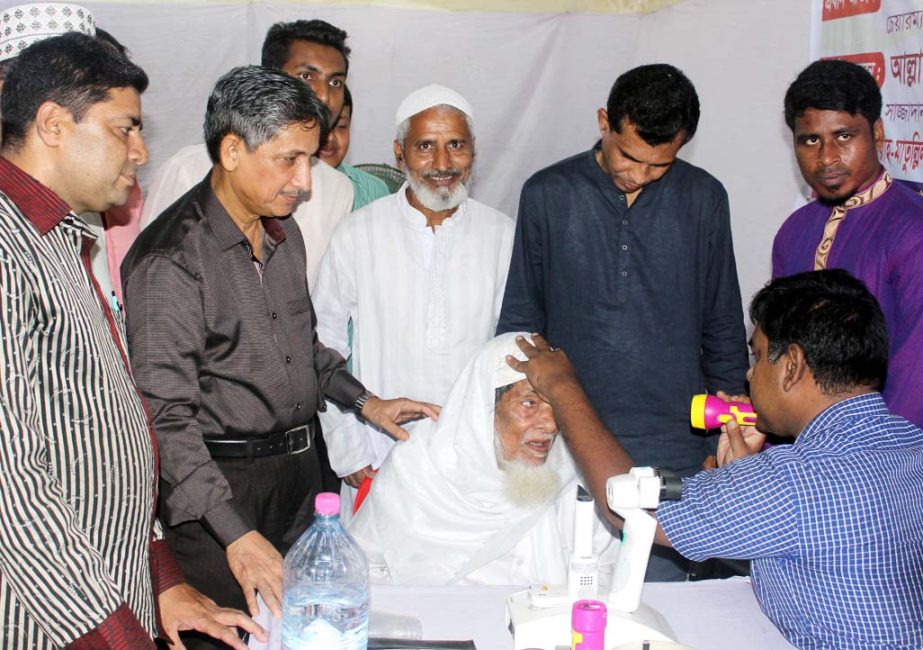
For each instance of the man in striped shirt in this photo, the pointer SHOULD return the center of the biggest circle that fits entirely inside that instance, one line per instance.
(832, 522)
(82, 560)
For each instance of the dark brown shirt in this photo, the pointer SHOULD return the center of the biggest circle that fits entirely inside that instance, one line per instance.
(219, 350)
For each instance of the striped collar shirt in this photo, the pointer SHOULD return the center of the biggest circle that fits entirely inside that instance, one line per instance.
(832, 523)
(77, 460)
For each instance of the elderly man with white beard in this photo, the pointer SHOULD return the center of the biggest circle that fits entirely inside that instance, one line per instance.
(420, 273)
(486, 495)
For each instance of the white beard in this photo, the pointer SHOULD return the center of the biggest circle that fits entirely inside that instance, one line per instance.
(531, 485)
(442, 199)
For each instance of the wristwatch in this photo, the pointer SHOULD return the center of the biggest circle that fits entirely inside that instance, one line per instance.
(359, 404)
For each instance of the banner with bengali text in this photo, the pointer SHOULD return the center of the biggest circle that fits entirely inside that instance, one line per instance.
(885, 37)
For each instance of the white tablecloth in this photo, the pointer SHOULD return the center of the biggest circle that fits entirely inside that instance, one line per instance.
(707, 615)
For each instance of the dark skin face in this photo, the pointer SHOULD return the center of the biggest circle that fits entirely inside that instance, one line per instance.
(629, 160)
(525, 423)
(837, 152)
(105, 149)
(764, 378)
(438, 141)
(337, 144)
(323, 68)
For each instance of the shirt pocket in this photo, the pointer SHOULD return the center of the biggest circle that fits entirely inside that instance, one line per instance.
(299, 306)
(302, 316)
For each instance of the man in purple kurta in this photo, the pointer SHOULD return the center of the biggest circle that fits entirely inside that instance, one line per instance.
(862, 221)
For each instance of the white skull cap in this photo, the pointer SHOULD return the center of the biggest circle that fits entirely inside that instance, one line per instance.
(23, 25)
(504, 375)
(428, 97)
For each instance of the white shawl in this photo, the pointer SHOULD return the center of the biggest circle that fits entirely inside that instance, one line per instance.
(438, 509)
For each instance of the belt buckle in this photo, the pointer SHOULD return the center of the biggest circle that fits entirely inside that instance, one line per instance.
(289, 440)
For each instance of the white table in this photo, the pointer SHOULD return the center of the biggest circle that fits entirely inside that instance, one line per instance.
(707, 615)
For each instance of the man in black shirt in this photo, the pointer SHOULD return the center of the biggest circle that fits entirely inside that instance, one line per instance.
(223, 344)
(623, 258)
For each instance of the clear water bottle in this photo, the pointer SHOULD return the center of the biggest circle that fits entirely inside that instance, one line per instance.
(325, 586)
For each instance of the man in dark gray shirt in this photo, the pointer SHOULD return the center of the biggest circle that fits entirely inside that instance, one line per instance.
(623, 258)
(224, 348)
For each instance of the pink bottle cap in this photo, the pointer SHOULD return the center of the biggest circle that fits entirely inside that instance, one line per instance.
(588, 616)
(327, 503)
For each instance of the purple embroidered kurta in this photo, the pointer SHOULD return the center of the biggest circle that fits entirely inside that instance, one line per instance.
(881, 243)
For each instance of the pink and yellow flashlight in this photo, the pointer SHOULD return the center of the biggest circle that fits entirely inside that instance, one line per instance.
(710, 412)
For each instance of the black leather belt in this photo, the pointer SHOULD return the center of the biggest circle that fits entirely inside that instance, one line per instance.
(293, 441)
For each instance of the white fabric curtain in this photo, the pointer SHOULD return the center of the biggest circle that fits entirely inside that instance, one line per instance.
(535, 81)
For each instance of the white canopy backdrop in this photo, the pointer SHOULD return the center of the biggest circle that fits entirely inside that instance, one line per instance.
(534, 80)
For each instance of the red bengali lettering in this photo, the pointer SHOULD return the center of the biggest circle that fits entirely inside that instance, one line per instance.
(835, 9)
(874, 62)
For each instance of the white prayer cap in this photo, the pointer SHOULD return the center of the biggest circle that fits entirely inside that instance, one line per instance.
(23, 25)
(432, 95)
(504, 375)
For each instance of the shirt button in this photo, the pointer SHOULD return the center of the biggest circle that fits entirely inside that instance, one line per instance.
(621, 197)
(624, 222)
(624, 247)
(274, 315)
(624, 274)
(298, 406)
(288, 359)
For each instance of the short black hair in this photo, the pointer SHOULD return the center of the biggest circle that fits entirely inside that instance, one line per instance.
(255, 103)
(658, 99)
(73, 70)
(833, 85)
(348, 99)
(280, 36)
(834, 318)
(110, 40)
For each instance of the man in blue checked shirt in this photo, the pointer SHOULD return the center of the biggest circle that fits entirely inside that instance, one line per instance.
(833, 522)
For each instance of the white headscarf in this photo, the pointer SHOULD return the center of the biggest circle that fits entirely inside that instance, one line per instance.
(438, 508)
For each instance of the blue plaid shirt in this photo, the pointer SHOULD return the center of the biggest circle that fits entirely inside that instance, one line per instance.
(833, 524)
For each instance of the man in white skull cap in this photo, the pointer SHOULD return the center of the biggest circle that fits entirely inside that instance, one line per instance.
(486, 495)
(420, 273)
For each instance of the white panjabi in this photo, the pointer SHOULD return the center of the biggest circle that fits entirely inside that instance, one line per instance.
(439, 510)
(422, 302)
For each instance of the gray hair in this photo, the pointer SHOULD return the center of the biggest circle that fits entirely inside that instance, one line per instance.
(404, 126)
(255, 103)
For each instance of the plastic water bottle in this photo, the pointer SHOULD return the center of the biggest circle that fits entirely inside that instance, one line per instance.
(325, 586)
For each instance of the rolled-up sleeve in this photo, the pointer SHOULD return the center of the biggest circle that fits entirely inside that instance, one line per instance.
(744, 510)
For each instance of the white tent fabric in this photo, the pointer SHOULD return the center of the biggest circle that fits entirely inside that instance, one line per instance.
(535, 81)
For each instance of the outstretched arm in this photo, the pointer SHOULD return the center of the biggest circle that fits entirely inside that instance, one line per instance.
(595, 450)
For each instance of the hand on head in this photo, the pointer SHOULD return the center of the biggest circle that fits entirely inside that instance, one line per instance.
(546, 368)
